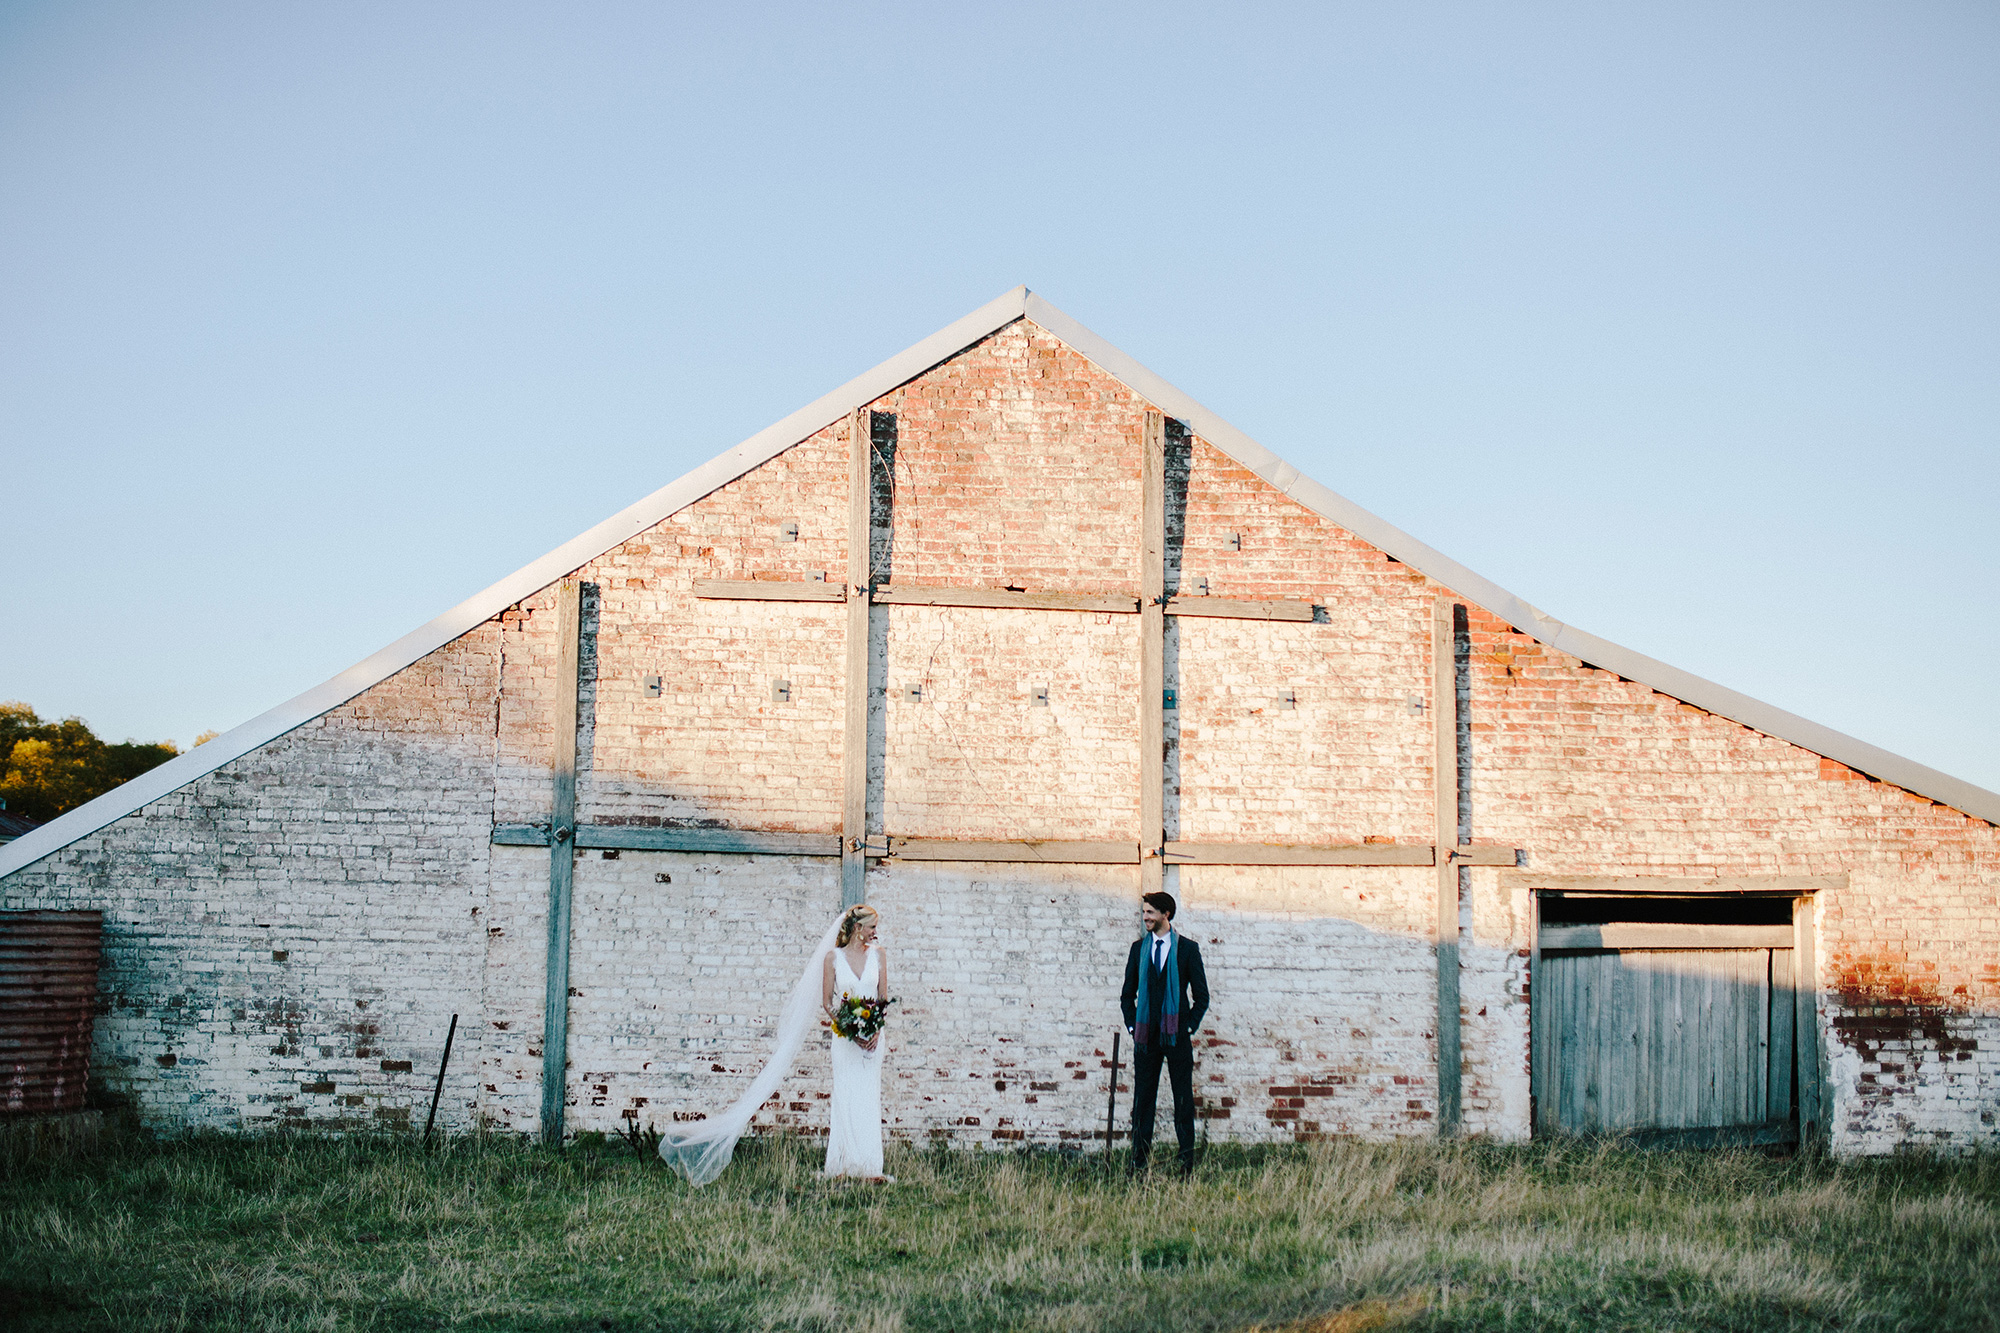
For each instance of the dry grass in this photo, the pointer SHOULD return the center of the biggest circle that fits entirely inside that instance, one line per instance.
(304, 1232)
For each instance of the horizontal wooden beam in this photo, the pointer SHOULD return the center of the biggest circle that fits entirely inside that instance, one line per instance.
(1295, 854)
(1024, 850)
(1647, 935)
(1006, 599)
(639, 838)
(1790, 885)
(1000, 599)
(1484, 856)
(743, 841)
(770, 590)
(1229, 608)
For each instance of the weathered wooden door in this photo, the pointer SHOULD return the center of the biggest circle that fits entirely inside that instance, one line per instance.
(1678, 1032)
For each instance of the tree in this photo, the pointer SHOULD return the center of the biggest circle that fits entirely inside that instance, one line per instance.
(17, 722)
(50, 768)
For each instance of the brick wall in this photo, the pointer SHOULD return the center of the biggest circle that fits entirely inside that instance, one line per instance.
(357, 847)
(1600, 775)
(287, 938)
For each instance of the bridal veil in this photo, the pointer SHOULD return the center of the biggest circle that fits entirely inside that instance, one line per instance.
(700, 1151)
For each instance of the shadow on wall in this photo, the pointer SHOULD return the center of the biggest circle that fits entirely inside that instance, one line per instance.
(251, 975)
(1009, 977)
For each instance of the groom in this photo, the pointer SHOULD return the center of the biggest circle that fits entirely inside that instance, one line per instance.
(1166, 993)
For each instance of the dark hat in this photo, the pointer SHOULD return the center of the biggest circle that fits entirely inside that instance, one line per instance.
(1163, 903)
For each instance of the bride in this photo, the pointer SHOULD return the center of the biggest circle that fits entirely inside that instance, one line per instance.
(854, 1130)
(847, 961)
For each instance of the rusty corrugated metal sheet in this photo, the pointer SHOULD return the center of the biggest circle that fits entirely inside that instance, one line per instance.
(48, 995)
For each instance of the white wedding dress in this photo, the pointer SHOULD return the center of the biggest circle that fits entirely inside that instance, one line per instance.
(701, 1145)
(854, 1128)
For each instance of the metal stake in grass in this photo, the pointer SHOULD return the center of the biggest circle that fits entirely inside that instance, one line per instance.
(1111, 1107)
(438, 1091)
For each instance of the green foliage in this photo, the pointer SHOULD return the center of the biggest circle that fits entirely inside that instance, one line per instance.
(307, 1232)
(50, 768)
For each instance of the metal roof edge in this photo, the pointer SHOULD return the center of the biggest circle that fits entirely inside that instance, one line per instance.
(1873, 760)
(719, 471)
(1385, 536)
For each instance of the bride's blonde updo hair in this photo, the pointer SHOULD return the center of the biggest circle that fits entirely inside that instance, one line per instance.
(851, 920)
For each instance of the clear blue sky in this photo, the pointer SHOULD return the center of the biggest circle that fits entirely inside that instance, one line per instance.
(1682, 321)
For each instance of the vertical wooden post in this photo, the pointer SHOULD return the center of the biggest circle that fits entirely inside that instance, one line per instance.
(1444, 721)
(854, 737)
(1539, 1083)
(1152, 651)
(562, 863)
(1805, 1009)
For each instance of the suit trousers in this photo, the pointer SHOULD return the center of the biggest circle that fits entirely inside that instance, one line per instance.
(1146, 1062)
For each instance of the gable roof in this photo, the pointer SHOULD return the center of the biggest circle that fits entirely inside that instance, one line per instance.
(899, 369)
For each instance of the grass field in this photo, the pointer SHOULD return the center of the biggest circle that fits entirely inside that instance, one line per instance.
(303, 1232)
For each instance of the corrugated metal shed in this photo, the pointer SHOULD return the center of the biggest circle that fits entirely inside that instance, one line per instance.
(48, 997)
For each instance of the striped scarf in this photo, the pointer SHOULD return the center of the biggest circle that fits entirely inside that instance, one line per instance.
(1169, 1030)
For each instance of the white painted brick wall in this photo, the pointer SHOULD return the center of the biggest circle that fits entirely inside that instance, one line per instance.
(283, 935)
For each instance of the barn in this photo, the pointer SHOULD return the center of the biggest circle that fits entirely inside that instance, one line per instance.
(995, 637)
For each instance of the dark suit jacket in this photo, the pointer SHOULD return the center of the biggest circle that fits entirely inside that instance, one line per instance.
(1194, 985)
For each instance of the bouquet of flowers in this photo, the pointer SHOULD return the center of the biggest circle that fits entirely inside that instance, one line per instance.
(860, 1017)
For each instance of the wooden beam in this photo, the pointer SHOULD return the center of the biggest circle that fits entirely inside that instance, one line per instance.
(650, 838)
(1805, 1010)
(741, 842)
(754, 842)
(562, 863)
(1227, 608)
(1152, 648)
(1620, 885)
(1485, 856)
(854, 734)
(1001, 599)
(1024, 850)
(1295, 854)
(1444, 727)
(769, 590)
(1006, 599)
(1634, 935)
(1541, 1056)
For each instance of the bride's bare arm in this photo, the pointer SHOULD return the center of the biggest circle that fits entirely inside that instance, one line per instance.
(826, 984)
(881, 973)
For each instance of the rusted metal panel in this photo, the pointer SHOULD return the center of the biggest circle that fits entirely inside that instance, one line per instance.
(48, 996)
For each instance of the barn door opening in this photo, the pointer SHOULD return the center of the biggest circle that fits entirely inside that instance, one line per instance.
(1667, 1020)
